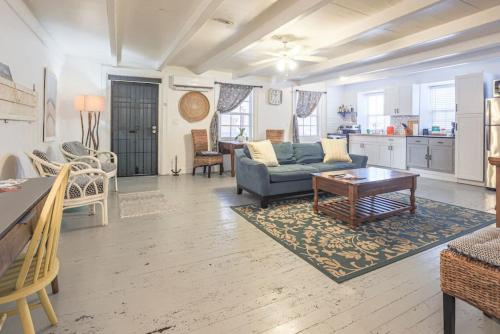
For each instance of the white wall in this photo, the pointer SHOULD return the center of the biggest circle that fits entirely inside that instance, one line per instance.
(27, 57)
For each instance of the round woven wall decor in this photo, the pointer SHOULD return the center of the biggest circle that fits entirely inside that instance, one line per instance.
(194, 106)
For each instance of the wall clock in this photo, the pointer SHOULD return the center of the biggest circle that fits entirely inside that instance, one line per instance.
(275, 96)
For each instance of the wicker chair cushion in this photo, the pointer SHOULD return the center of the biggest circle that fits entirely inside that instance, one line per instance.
(75, 148)
(483, 245)
(81, 181)
(105, 166)
(208, 153)
(43, 156)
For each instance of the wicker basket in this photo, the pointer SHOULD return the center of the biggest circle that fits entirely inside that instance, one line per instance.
(472, 281)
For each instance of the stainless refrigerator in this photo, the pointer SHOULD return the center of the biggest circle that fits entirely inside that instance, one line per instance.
(492, 138)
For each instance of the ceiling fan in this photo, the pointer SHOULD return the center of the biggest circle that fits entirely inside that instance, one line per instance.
(287, 59)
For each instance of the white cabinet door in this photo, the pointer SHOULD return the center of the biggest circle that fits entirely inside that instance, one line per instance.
(469, 94)
(372, 151)
(469, 147)
(391, 100)
(356, 148)
(409, 96)
(398, 158)
(385, 155)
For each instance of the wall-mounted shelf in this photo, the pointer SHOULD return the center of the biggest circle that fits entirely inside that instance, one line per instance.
(17, 102)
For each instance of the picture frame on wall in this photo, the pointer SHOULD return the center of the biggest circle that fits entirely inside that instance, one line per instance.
(49, 106)
(275, 96)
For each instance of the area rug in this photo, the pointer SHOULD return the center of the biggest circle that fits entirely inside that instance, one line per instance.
(143, 203)
(342, 252)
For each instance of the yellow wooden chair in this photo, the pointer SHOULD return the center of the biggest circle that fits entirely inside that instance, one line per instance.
(35, 269)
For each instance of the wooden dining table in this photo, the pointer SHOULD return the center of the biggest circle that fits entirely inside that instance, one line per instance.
(19, 213)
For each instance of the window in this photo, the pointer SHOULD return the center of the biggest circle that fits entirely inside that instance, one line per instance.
(375, 111)
(308, 126)
(442, 105)
(240, 117)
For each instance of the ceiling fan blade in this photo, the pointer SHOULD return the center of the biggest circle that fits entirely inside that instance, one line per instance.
(314, 59)
(272, 54)
(262, 62)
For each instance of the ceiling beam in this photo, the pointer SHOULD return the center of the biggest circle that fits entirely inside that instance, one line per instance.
(278, 14)
(355, 30)
(115, 44)
(196, 20)
(435, 34)
(440, 55)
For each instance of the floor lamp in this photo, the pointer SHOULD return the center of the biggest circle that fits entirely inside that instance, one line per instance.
(92, 106)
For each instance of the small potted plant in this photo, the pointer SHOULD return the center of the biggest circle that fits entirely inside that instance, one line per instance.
(241, 136)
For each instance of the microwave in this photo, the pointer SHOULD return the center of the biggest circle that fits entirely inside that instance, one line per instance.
(496, 88)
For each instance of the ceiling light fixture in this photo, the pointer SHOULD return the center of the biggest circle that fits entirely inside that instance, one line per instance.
(286, 63)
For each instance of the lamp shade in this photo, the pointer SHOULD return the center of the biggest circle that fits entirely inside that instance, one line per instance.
(89, 103)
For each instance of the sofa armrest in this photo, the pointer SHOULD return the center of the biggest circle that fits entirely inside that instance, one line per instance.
(359, 160)
(251, 175)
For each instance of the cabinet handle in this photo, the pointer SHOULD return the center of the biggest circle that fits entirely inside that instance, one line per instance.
(440, 142)
(430, 157)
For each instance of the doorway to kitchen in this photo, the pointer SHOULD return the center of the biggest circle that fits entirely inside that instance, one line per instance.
(134, 124)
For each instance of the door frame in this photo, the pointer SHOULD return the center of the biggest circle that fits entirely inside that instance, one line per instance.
(138, 79)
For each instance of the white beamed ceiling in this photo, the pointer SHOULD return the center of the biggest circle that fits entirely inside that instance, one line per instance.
(155, 33)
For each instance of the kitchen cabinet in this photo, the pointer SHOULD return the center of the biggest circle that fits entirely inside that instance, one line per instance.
(402, 100)
(417, 151)
(469, 98)
(470, 147)
(469, 94)
(436, 154)
(385, 151)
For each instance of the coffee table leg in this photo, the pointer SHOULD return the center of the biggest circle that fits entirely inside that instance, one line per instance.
(412, 196)
(315, 188)
(352, 203)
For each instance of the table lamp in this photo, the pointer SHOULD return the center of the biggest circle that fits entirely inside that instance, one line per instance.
(93, 106)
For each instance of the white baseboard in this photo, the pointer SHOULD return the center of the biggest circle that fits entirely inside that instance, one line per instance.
(434, 175)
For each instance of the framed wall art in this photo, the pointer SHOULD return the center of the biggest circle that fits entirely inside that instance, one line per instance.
(50, 106)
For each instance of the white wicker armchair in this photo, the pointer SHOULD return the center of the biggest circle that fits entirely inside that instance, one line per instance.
(86, 185)
(105, 160)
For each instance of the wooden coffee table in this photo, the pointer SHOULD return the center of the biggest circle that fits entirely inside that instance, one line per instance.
(361, 202)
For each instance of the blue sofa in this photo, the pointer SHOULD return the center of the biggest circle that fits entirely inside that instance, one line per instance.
(292, 176)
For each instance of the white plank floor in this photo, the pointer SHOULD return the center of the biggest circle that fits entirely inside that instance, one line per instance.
(202, 269)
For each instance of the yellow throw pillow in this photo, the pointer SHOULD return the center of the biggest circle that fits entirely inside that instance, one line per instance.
(335, 150)
(263, 151)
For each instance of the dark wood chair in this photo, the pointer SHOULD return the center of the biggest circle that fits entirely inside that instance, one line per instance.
(276, 136)
(202, 156)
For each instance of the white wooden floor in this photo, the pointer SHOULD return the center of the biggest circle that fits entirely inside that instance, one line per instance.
(203, 269)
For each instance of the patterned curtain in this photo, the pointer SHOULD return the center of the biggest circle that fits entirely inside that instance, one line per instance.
(230, 97)
(306, 103)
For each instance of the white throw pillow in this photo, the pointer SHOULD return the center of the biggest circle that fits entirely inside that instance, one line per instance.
(263, 151)
(335, 150)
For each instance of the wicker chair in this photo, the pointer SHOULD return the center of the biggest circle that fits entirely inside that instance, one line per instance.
(276, 136)
(466, 274)
(86, 185)
(104, 160)
(202, 156)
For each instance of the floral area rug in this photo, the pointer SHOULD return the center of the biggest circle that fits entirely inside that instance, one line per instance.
(342, 252)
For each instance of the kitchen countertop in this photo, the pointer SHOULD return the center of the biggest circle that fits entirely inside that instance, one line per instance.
(399, 136)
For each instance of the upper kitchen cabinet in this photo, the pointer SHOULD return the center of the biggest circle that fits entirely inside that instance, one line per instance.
(402, 100)
(469, 94)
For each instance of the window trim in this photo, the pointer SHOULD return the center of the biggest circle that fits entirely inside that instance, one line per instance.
(318, 121)
(432, 111)
(250, 119)
(382, 114)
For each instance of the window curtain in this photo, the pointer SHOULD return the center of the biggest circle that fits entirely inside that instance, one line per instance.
(230, 97)
(306, 103)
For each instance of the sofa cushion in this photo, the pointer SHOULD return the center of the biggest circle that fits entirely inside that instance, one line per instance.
(284, 153)
(263, 151)
(308, 153)
(335, 150)
(328, 167)
(293, 172)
